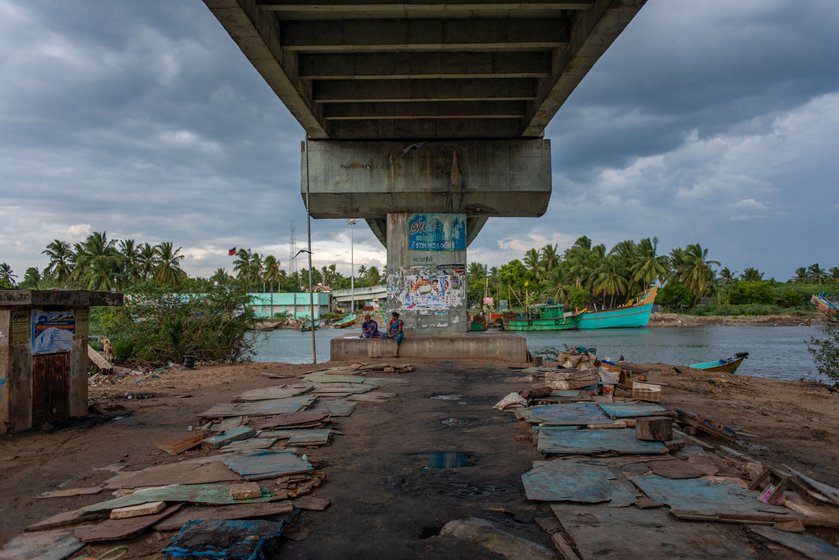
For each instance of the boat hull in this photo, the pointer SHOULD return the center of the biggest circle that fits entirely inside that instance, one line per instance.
(636, 316)
(564, 324)
(730, 366)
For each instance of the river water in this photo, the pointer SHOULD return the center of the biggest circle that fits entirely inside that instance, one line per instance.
(774, 352)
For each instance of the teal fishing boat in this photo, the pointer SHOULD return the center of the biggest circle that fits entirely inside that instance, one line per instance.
(729, 365)
(347, 321)
(633, 314)
(544, 318)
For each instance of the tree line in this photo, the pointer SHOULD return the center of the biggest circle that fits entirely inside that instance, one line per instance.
(584, 275)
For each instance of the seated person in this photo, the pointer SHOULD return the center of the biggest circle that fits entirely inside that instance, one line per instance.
(394, 331)
(369, 328)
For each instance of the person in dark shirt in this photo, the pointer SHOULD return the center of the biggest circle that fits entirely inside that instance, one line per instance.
(394, 331)
(369, 328)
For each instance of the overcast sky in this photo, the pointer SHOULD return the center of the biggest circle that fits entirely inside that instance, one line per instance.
(714, 122)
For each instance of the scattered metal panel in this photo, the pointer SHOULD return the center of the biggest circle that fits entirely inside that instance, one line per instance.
(57, 544)
(259, 465)
(575, 481)
(174, 473)
(570, 414)
(118, 529)
(321, 377)
(335, 407)
(806, 545)
(604, 533)
(703, 497)
(259, 408)
(301, 436)
(632, 410)
(558, 441)
(272, 393)
(217, 494)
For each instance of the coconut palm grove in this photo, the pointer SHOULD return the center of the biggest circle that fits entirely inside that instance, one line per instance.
(585, 274)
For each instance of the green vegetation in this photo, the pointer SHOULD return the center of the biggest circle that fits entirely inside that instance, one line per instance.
(825, 352)
(157, 326)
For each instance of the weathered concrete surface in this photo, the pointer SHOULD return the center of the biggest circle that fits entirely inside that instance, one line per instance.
(406, 268)
(478, 178)
(436, 69)
(68, 298)
(504, 347)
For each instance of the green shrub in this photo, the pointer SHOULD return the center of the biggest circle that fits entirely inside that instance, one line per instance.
(825, 351)
(788, 296)
(578, 298)
(155, 327)
(675, 296)
(751, 292)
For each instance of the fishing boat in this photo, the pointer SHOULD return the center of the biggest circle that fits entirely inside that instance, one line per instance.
(347, 321)
(635, 313)
(828, 303)
(729, 365)
(543, 317)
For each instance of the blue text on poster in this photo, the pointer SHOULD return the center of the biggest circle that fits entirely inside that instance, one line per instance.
(52, 331)
(437, 232)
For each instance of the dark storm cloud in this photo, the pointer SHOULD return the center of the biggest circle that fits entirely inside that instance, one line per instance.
(706, 121)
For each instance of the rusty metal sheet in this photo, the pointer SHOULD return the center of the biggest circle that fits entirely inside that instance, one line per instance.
(575, 481)
(118, 529)
(259, 465)
(806, 545)
(259, 408)
(559, 441)
(218, 494)
(631, 410)
(568, 414)
(245, 511)
(704, 497)
(290, 419)
(174, 473)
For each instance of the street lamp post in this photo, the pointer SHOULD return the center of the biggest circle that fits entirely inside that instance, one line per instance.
(351, 224)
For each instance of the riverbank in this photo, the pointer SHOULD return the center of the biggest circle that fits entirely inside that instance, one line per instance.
(384, 503)
(683, 320)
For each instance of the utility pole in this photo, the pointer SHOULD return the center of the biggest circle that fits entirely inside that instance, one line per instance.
(351, 224)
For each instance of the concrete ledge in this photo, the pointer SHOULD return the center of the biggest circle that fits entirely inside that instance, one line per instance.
(504, 347)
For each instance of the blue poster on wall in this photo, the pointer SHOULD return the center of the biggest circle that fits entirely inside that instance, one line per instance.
(437, 232)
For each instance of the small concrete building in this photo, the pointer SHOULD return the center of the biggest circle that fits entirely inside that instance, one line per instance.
(267, 305)
(43, 355)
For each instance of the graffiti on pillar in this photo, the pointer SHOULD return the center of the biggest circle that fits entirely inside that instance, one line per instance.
(437, 232)
(437, 289)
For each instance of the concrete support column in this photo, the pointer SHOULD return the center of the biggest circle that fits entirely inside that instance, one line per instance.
(426, 271)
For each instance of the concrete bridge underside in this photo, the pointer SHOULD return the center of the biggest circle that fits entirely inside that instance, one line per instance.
(423, 69)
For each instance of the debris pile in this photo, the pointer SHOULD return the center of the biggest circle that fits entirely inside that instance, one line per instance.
(240, 481)
(619, 462)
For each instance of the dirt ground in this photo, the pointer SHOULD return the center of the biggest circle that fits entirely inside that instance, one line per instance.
(385, 504)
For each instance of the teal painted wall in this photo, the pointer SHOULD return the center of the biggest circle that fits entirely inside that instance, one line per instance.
(294, 304)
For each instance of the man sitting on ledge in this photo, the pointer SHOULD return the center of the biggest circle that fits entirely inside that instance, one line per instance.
(394, 331)
(370, 328)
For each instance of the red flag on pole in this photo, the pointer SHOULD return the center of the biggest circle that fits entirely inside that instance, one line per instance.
(231, 252)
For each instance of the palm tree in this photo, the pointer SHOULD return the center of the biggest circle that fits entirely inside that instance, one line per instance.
(726, 277)
(816, 274)
(273, 275)
(61, 260)
(373, 276)
(31, 279)
(698, 275)
(97, 262)
(550, 258)
(532, 260)
(220, 277)
(751, 274)
(256, 269)
(555, 286)
(6, 274)
(146, 260)
(608, 280)
(242, 267)
(169, 271)
(649, 267)
(130, 259)
(834, 273)
(800, 275)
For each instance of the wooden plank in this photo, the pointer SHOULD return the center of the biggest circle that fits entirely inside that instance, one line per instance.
(245, 491)
(68, 492)
(235, 434)
(174, 473)
(706, 425)
(118, 529)
(57, 544)
(290, 419)
(243, 511)
(655, 428)
(139, 510)
(98, 359)
(176, 446)
(63, 519)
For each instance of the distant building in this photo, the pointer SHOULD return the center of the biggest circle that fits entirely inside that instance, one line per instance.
(292, 304)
